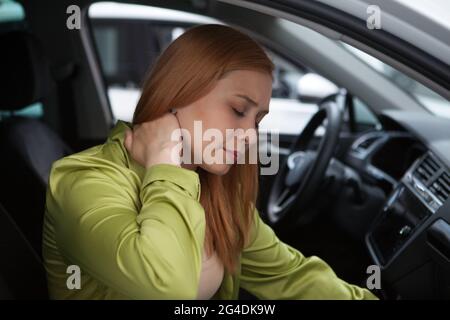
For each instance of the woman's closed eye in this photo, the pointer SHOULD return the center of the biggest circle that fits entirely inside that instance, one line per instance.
(238, 113)
(241, 114)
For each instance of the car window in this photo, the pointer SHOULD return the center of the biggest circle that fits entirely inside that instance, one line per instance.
(11, 12)
(432, 101)
(128, 38)
(364, 117)
(126, 48)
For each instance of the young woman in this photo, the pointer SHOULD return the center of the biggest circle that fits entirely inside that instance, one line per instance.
(135, 219)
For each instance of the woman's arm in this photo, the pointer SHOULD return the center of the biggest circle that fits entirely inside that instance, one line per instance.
(149, 253)
(272, 269)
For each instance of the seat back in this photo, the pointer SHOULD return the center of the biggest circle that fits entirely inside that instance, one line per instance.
(28, 147)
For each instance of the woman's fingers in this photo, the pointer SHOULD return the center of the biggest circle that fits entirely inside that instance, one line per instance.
(128, 139)
(152, 142)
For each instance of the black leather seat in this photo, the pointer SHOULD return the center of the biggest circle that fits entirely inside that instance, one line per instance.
(28, 147)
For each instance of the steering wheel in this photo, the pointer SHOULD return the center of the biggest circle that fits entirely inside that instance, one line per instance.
(300, 176)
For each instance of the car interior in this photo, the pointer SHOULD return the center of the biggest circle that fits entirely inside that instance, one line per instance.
(364, 181)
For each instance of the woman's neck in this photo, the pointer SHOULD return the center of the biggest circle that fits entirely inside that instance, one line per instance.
(192, 167)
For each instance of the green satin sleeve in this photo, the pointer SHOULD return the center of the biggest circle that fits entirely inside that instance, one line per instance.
(149, 249)
(271, 269)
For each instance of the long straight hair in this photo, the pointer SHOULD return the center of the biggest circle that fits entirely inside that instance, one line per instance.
(184, 72)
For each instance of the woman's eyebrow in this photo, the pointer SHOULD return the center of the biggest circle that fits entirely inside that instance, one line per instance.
(243, 96)
(251, 101)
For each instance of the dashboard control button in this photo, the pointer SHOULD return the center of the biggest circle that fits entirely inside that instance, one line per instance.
(405, 231)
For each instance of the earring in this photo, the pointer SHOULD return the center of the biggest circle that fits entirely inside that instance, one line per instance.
(174, 112)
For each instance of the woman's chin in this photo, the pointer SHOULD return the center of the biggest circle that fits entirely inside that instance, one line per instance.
(217, 169)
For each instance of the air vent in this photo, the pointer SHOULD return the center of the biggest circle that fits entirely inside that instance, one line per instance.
(434, 179)
(426, 170)
(441, 186)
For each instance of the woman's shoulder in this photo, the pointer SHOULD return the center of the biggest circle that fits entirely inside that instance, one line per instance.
(109, 157)
(81, 159)
(100, 160)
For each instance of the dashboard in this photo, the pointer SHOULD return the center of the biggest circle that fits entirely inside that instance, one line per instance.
(410, 237)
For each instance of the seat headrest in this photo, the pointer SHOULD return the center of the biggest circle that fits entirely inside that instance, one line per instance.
(25, 74)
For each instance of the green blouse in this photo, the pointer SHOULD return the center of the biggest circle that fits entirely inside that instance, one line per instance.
(138, 233)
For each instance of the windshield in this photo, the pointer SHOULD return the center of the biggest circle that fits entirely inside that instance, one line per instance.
(432, 101)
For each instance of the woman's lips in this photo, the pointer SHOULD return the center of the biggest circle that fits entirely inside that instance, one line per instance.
(235, 154)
